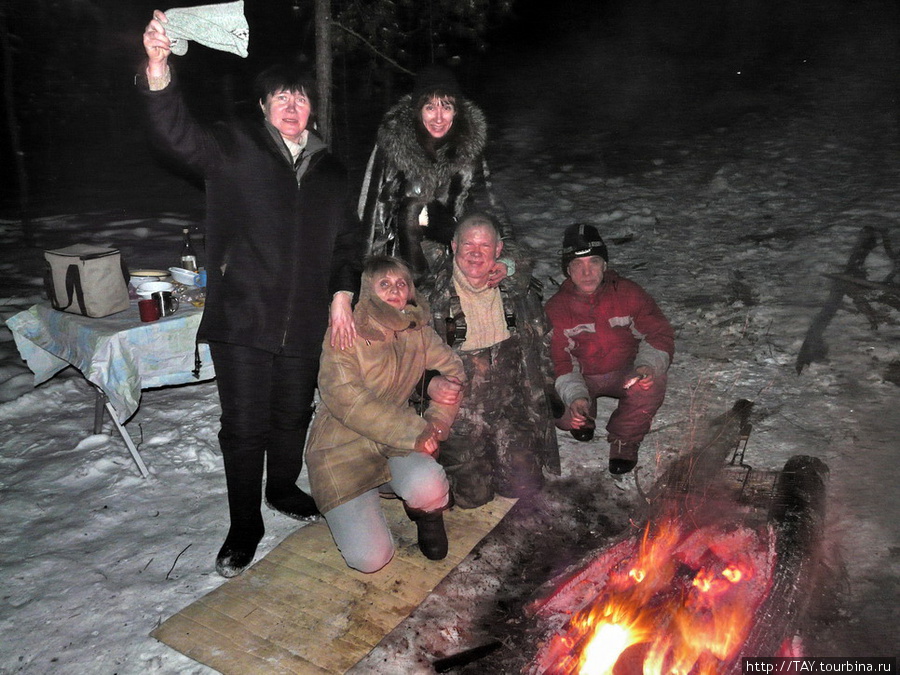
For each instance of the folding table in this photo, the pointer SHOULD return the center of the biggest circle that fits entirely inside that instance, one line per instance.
(117, 354)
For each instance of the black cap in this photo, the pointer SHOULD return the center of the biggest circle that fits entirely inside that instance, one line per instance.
(581, 241)
(435, 79)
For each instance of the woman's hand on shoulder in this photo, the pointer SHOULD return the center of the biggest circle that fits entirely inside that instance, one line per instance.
(343, 327)
(498, 273)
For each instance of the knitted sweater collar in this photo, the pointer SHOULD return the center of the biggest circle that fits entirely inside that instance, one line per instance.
(483, 308)
(463, 284)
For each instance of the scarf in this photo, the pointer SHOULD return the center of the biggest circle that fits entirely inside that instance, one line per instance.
(372, 315)
(483, 307)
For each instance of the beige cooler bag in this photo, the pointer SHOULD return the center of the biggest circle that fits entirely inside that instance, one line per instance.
(87, 280)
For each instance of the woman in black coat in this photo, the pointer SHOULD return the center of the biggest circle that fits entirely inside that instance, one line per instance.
(282, 244)
(426, 171)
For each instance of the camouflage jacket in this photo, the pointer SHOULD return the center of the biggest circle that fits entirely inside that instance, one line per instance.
(525, 317)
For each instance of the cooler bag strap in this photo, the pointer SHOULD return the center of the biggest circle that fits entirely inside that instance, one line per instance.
(49, 286)
(73, 284)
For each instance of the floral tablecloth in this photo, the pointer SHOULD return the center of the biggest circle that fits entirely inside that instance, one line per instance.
(117, 353)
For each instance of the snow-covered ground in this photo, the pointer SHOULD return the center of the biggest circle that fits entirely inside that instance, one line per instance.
(729, 221)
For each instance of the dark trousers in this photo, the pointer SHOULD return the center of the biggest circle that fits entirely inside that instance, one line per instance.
(267, 405)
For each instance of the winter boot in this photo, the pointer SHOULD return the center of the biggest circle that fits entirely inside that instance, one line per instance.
(238, 550)
(284, 460)
(431, 533)
(243, 476)
(623, 455)
(294, 504)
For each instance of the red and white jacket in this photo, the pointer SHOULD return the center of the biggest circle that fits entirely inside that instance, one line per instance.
(617, 327)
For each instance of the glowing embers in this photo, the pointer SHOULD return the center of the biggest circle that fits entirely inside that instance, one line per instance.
(678, 602)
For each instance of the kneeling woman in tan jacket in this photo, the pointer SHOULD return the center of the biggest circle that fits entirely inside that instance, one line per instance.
(366, 438)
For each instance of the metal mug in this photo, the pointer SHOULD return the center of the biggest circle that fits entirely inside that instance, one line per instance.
(166, 302)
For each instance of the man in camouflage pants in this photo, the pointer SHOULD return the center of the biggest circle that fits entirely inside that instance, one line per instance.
(504, 435)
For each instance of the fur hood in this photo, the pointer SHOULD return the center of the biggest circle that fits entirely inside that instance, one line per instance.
(372, 315)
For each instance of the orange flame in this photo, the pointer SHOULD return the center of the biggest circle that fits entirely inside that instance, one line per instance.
(613, 634)
(690, 610)
(733, 573)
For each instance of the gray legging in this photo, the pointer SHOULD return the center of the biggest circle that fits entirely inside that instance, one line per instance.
(359, 527)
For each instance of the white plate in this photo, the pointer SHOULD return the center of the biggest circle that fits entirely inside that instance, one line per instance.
(149, 273)
(139, 277)
(147, 289)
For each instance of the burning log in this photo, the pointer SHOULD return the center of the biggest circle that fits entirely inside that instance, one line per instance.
(675, 604)
(797, 513)
(711, 579)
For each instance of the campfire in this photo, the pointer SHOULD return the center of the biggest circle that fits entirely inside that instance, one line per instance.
(719, 571)
(674, 601)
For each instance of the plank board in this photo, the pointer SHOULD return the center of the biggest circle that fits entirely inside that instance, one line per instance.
(301, 610)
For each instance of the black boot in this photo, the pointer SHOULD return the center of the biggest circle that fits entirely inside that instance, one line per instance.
(243, 476)
(294, 503)
(623, 455)
(284, 461)
(431, 533)
(238, 551)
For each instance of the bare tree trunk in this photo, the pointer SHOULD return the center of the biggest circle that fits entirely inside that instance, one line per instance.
(324, 63)
(13, 127)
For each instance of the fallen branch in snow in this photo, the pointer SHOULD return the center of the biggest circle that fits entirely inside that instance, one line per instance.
(874, 285)
(814, 347)
(175, 562)
(676, 423)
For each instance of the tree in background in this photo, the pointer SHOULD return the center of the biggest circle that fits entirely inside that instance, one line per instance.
(48, 49)
(12, 126)
(71, 111)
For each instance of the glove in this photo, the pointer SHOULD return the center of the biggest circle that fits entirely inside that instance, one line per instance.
(441, 223)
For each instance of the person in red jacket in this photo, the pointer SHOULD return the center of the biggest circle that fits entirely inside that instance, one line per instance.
(609, 339)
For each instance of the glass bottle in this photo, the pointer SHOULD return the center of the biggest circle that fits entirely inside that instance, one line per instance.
(188, 255)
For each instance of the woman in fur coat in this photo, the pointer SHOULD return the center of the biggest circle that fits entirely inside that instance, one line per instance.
(366, 437)
(426, 171)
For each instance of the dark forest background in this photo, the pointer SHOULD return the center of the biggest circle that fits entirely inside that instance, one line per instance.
(69, 70)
